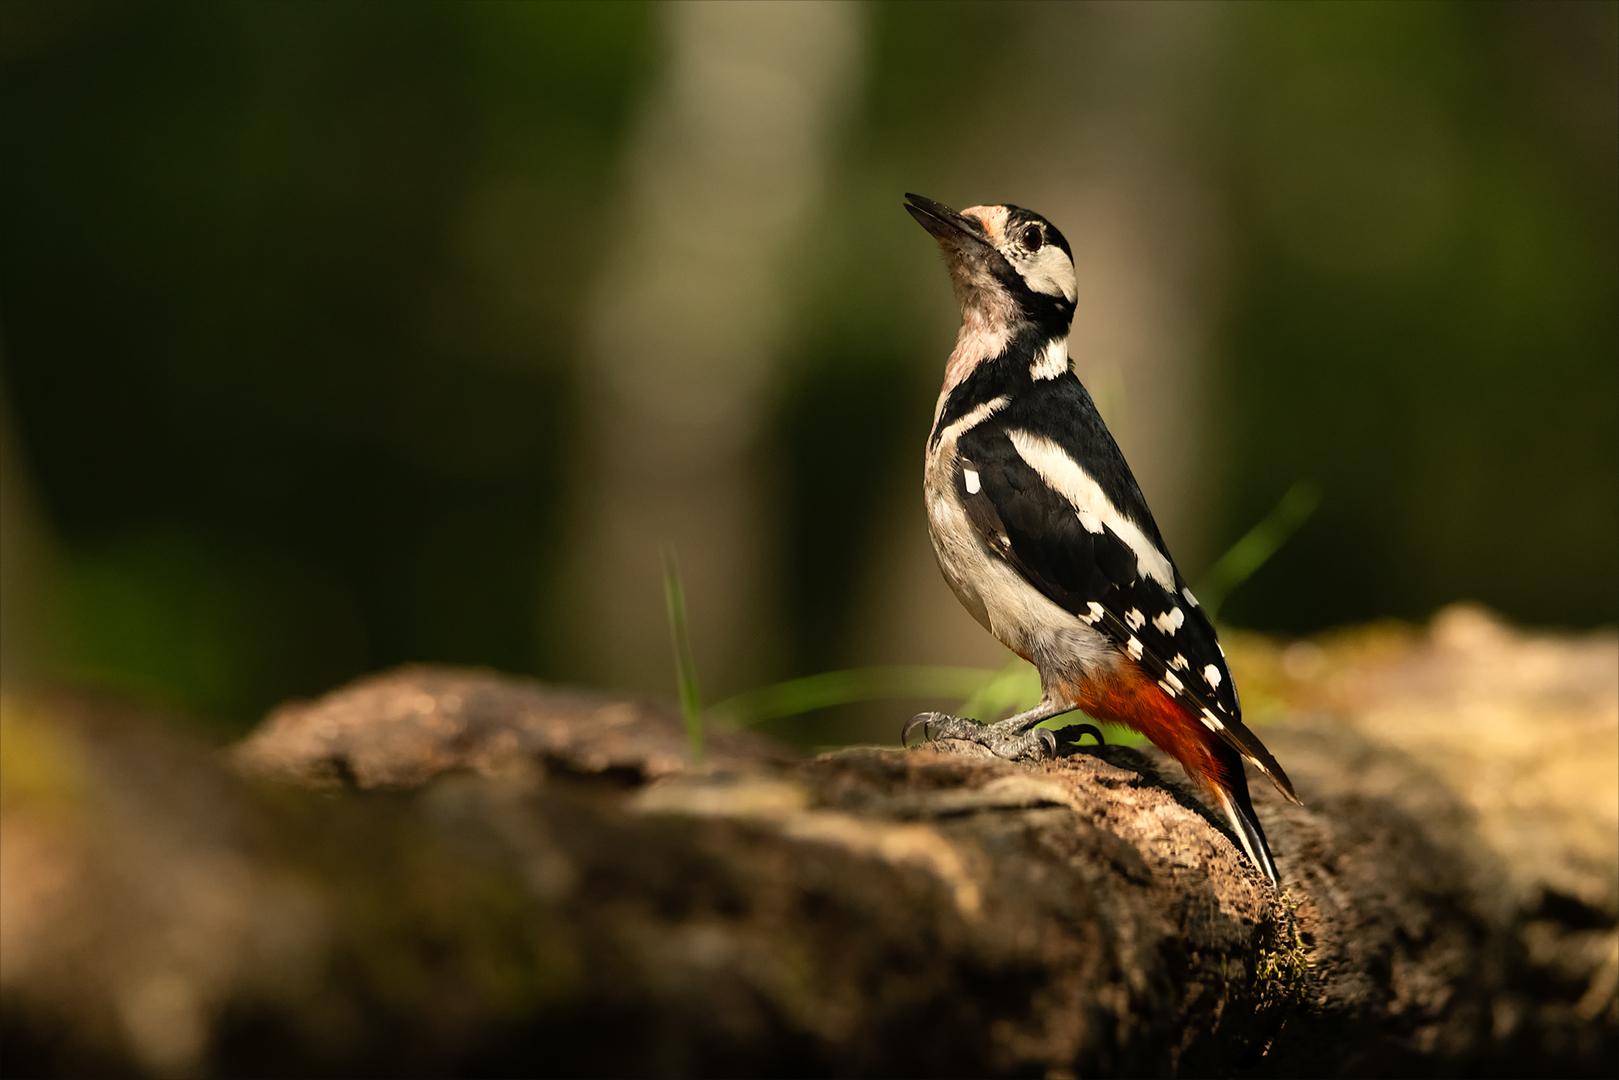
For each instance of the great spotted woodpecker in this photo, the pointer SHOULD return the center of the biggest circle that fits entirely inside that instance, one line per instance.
(1043, 534)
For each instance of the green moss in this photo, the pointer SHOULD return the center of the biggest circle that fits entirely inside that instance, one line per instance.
(1284, 972)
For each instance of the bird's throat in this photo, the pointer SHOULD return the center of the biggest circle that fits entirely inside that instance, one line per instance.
(987, 329)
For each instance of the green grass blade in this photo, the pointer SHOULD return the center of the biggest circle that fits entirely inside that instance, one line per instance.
(691, 701)
(1257, 545)
(846, 687)
(1012, 689)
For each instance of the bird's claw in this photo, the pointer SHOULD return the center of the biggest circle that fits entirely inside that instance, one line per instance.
(1078, 731)
(923, 720)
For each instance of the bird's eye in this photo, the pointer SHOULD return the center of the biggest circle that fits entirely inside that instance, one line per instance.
(1033, 238)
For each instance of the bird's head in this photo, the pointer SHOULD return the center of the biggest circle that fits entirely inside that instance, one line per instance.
(1009, 266)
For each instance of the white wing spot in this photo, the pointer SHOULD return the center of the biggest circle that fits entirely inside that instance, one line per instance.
(1166, 688)
(1132, 649)
(1190, 599)
(1211, 675)
(1179, 662)
(1096, 613)
(1063, 474)
(1169, 677)
(971, 476)
(1091, 522)
(1170, 621)
(1133, 618)
(1212, 721)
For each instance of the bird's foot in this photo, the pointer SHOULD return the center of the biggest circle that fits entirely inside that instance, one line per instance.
(1002, 740)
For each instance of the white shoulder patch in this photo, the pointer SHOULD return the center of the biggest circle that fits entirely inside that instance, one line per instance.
(973, 419)
(1065, 476)
(1052, 361)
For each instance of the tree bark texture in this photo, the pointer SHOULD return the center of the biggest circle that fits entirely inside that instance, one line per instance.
(441, 871)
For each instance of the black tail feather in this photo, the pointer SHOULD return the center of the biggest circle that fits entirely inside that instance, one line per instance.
(1239, 810)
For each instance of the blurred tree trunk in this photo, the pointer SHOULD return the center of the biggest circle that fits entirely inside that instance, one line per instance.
(683, 335)
(473, 874)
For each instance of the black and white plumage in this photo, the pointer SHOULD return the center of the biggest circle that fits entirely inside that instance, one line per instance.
(1043, 533)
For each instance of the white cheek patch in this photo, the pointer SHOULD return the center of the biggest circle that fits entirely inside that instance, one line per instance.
(1063, 474)
(1052, 361)
(1048, 271)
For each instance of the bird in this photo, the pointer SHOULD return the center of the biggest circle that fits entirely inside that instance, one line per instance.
(1044, 536)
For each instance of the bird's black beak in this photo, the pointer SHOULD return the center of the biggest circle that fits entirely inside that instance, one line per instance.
(947, 226)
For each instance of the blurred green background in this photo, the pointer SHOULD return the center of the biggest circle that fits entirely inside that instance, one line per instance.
(319, 321)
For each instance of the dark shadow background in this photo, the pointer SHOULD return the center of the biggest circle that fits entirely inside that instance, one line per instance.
(281, 427)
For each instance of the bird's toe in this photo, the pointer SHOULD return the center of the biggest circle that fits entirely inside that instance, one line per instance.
(1002, 740)
(1036, 745)
(937, 726)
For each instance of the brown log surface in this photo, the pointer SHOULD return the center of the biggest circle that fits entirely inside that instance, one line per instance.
(438, 871)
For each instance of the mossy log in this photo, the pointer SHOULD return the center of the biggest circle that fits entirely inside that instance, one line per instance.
(439, 871)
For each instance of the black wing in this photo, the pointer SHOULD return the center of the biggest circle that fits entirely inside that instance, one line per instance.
(1094, 574)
